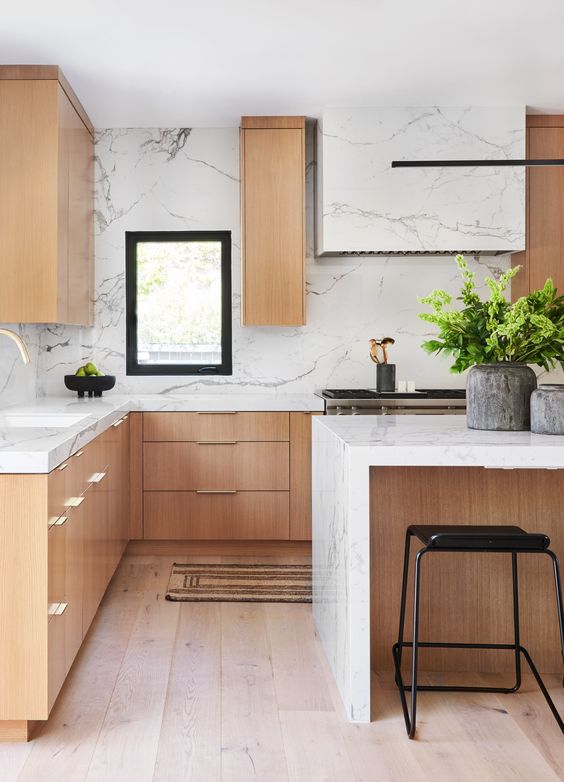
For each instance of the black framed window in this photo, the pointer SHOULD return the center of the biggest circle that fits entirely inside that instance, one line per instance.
(178, 301)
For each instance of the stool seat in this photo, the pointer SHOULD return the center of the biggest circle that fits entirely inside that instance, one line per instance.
(468, 537)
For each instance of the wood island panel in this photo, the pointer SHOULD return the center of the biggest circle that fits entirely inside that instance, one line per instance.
(465, 597)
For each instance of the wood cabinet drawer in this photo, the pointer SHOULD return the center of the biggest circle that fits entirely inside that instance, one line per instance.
(193, 466)
(57, 660)
(69, 479)
(184, 515)
(216, 426)
(56, 546)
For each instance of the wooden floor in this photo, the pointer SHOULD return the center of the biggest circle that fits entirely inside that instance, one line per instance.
(171, 691)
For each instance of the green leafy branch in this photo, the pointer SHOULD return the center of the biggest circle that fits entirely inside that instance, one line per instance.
(530, 331)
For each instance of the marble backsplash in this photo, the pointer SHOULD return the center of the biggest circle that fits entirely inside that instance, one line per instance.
(182, 179)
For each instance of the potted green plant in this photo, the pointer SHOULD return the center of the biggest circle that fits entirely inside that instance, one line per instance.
(497, 341)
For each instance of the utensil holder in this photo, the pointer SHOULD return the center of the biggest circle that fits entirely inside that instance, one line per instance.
(386, 377)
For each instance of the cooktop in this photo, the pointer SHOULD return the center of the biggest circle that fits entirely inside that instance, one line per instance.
(420, 393)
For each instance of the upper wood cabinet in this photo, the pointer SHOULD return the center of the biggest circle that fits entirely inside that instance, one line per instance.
(46, 199)
(273, 220)
(544, 253)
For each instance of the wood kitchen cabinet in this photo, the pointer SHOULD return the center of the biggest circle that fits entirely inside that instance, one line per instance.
(273, 220)
(46, 199)
(300, 475)
(226, 476)
(61, 539)
(544, 253)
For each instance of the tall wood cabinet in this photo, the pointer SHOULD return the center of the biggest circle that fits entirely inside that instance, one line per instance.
(273, 220)
(544, 253)
(46, 199)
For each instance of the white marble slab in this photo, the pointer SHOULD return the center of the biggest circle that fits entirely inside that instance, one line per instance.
(344, 449)
(40, 449)
(176, 178)
(365, 205)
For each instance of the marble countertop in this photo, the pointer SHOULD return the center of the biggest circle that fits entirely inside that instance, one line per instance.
(37, 449)
(441, 440)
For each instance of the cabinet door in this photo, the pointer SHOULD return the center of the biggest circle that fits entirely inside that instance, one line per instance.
(187, 515)
(216, 466)
(57, 597)
(219, 426)
(545, 192)
(273, 210)
(300, 475)
(96, 529)
(74, 563)
(29, 137)
(118, 494)
(80, 222)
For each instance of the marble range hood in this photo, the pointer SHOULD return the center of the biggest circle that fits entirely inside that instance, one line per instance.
(363, 206)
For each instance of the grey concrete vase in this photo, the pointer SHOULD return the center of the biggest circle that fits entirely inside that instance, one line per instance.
(547, 409)
(498, 397)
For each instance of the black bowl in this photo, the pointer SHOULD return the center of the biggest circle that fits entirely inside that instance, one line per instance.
(90, 384)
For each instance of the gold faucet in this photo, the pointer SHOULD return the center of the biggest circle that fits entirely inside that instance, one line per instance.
(19, 342)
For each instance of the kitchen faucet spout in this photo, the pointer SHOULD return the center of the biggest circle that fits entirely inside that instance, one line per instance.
(19, 342)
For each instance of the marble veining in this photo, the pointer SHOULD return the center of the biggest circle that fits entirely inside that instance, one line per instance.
(344, 449)
(367, 206)
(175, 178)
(29, 449)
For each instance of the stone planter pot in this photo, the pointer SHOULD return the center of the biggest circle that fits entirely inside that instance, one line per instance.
(498, 397)
(547, 409)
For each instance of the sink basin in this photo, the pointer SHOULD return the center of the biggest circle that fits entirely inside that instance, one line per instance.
(39, 420)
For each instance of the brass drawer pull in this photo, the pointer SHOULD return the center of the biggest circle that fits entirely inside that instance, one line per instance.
(79, 453)
(216, 491)
(74, 502)
(217, 412)
(97, 477)
(62, 467)
(57, 521)
(56, 609)
(216, 442)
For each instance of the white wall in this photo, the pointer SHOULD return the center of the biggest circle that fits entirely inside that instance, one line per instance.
(149, 179)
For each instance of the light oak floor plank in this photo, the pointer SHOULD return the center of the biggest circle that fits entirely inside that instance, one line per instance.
(242, 692)
(128, 741)
(190, 738)
(252, 746)
(299, 678)
(315, 747)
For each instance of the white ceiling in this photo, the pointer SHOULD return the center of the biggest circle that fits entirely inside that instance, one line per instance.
(206, 62)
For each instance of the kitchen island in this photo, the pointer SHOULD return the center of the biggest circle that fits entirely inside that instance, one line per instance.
(372, 477)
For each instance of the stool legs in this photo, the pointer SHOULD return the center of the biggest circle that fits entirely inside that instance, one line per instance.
(559, 604)
(515, 578)
(410, 714)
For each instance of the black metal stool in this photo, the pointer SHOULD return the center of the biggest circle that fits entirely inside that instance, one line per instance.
(511, 540)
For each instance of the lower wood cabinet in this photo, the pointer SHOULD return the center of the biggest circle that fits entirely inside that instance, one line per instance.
(246, 515)
(61, 538)
(226, 476)
(219, 466)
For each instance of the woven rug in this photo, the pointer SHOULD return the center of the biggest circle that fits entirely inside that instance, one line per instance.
(240, 583)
